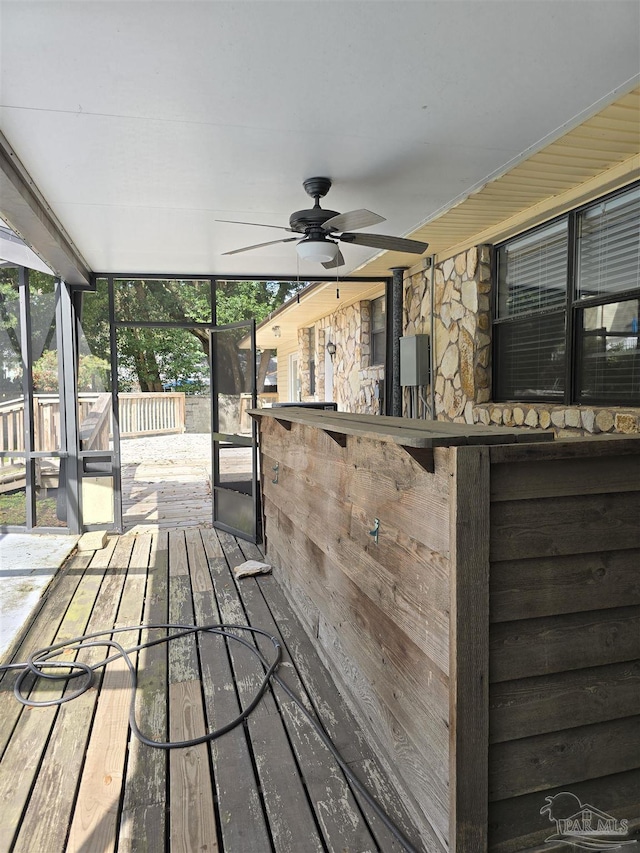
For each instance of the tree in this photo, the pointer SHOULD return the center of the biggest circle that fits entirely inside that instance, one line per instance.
(153, 357)
(42, 304)
(91, 372)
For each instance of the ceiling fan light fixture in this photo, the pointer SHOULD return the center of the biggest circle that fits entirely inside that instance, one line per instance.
(322, 251)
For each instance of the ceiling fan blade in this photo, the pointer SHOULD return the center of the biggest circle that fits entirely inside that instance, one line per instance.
(383, 241)
(352, 220)
(338, 261)
(259, 224)
(260, 245)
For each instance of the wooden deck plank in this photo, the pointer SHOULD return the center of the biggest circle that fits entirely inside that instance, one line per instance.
(46, 821)
(336, 717)
(192, 823)
(336, 809)
(165, 495)
(94, 788)
(143, 821)
(192, 818)
(183, 655)
(95, 817)
(236, 786)
(24, 752)
(234, 774)
(290, 818)
(42, 632)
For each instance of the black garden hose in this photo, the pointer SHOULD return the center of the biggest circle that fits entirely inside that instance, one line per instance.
(41, 662)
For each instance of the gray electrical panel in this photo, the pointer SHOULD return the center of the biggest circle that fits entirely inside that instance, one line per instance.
(414, 360)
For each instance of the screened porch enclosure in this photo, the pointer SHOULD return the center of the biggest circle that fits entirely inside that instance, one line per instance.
(84, 371)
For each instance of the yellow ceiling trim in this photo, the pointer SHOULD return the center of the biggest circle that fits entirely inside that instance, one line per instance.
(599, 155)
(548, 208)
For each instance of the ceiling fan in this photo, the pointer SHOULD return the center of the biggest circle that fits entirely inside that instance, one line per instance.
(321, 228)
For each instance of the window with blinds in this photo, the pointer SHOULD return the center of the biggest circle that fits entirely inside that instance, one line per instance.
(533, 271)
(566, 308)
(530, 356)
(609, 246)
(378, 330)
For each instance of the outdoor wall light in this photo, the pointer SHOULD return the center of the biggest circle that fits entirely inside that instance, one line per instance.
(322, 250)
(331, 349)
(276, 331)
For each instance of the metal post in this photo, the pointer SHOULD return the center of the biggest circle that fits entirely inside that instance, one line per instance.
(396, 333)
(68, 405)
(432, 339)
(27, 391)
(116, 466)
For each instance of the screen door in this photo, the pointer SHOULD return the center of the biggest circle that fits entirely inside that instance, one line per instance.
(236, 506)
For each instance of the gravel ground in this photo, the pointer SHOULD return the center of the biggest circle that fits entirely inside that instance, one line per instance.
(190, 448)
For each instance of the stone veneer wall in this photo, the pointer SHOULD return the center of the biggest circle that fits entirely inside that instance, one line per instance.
(566, 421)
(461, 341)
(304, 361)
(356, 384)
(462, 332)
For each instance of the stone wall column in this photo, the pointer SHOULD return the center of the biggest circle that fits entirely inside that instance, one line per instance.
(320, 377)
(304, 355)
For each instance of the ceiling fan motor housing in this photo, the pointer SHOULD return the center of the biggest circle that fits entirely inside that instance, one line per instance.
(311, 221)
(314, 218)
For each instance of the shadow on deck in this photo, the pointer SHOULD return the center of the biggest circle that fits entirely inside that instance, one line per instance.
(166, 480)
(73, 778)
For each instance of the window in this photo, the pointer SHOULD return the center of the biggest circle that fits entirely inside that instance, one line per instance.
(378, 330)
(566, 312)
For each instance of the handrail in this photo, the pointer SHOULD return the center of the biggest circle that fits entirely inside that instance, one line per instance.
(140, 414)
(95, 428)
(151, 414)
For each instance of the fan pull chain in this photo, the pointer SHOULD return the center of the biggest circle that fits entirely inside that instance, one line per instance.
(337, 283)
(298, 278)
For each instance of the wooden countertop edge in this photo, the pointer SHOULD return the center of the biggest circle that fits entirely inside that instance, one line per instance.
(402, 431)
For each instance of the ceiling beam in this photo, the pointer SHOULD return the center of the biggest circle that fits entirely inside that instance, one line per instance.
(27, 213)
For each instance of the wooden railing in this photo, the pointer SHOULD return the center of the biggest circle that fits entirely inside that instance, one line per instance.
(95, 427)
(11, 426)
(151, 414)
(140, 414)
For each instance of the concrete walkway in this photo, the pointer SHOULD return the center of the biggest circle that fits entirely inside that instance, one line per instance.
(28, 561)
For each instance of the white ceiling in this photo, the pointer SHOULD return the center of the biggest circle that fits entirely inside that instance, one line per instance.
(144, 122)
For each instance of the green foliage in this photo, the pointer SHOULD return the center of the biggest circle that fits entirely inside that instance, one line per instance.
(45, 373)
(244, 300)
(91, 373)
(152, 357)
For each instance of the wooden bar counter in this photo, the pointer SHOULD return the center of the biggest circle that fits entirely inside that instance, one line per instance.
(476, 594)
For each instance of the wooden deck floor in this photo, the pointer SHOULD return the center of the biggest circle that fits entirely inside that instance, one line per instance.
(166, 481)
(158, 496)
(72, 778)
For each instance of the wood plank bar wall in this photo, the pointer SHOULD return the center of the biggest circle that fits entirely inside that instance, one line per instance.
(564, 634)
(489, 639)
